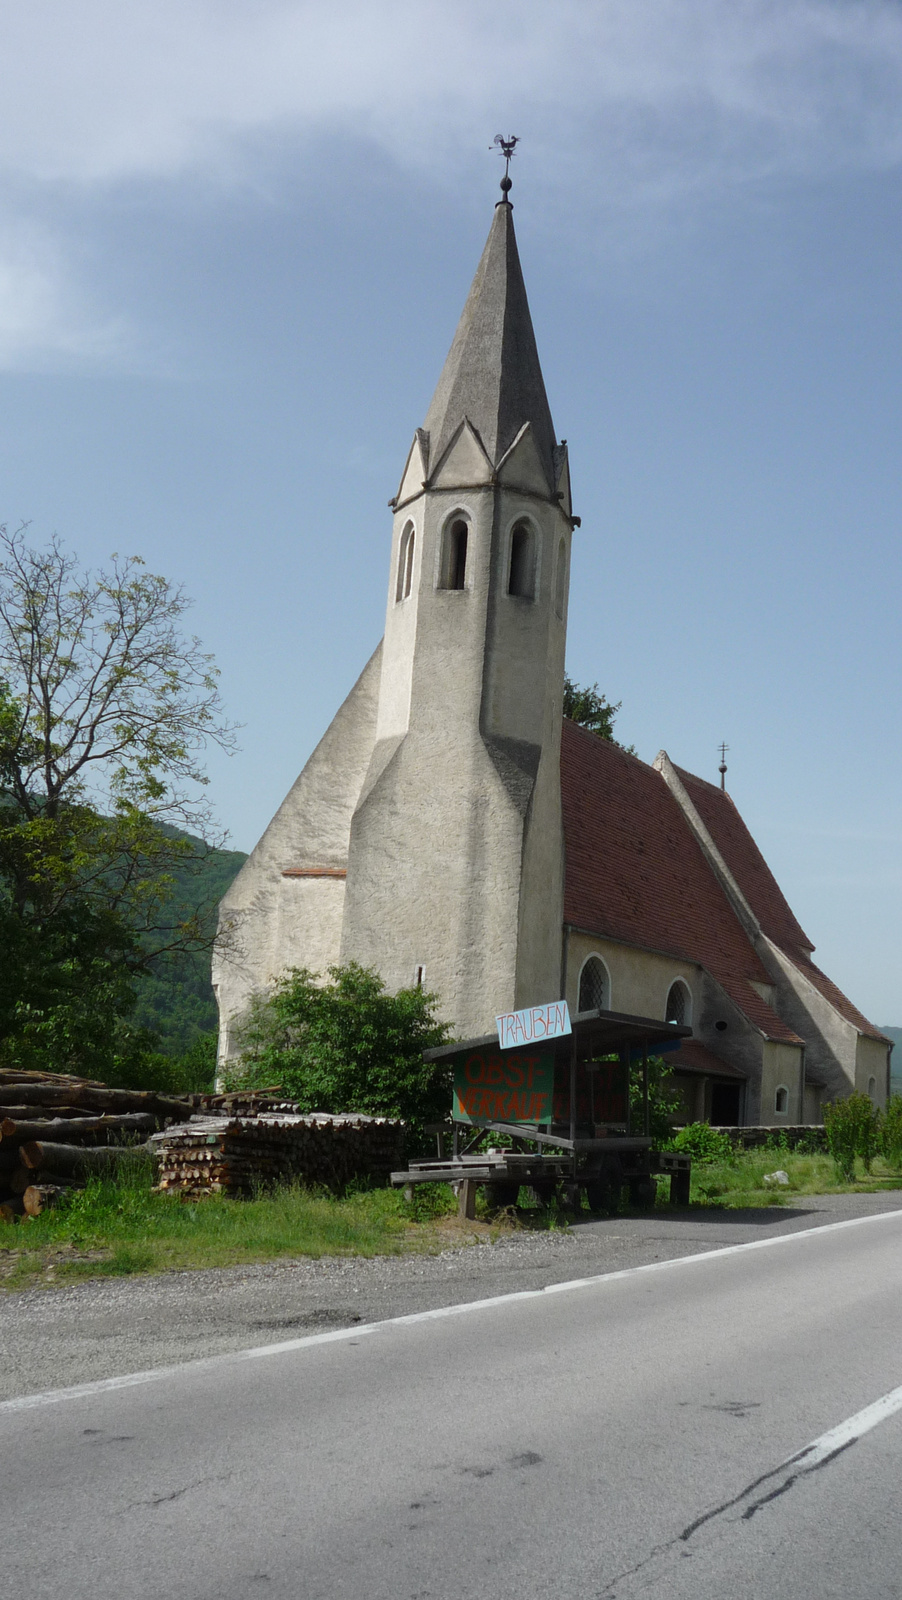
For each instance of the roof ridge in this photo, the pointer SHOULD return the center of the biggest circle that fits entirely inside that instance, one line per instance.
(612, 744)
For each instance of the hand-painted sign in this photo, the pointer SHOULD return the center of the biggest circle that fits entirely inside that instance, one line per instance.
(517, 1028)
(491, 1087)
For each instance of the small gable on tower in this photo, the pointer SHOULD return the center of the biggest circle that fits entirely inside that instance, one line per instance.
(464, 461)
(522, 467)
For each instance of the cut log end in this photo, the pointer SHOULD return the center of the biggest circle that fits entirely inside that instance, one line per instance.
(42, 1197)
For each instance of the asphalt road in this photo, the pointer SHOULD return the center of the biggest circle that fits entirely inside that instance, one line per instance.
(57, 1336)
(644, 1433)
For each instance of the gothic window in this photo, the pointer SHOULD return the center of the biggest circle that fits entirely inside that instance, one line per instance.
(560, 579)
(454, 555)
(872, 1088)
(594, 986)
(781, 1100)
(405, 563)
(679, 1004)
(521, 577)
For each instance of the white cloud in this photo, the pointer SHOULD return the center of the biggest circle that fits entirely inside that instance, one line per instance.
(42, 314)
(638, 103)
(105, 91)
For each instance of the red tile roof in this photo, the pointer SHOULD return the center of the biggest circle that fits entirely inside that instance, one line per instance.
(763, 893)
(635, 873)
(836, 997)
(695, 1057)
(746, 863)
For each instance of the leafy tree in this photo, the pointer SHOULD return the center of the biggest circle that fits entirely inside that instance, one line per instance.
(852, 1127)
(891, 1132)
(347, 1045)
(592, 710)
(663, 1100)
(105, 709)
(143, 1067)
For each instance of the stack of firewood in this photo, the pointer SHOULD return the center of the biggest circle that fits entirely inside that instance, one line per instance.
(238, 1154)
(244, 1102)
(56, 1131)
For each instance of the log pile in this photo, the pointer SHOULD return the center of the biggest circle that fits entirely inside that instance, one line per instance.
(57, 1130)
(238, 1154)
(244, 1102)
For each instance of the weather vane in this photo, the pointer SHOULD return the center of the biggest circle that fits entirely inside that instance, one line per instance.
(507, 150)
(722, 769)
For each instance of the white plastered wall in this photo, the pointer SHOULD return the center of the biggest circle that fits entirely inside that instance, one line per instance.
(456, 855)
(270, 922)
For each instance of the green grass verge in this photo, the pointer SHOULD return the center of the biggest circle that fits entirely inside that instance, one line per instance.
(740, 1181)
(120, 1228)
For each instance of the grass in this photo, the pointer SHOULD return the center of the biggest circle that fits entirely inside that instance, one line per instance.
(119, 1228)
(740, 1181)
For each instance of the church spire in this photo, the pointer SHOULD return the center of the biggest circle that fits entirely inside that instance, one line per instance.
(492, 374)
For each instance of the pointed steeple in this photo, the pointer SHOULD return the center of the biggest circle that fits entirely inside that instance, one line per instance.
(492, 374)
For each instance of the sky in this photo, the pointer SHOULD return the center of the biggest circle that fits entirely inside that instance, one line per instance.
(235, 240)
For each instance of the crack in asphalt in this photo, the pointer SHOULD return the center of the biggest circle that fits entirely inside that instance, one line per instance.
(779, 1489)
(176, 1494)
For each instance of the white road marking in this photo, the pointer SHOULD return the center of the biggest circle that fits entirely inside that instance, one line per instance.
(360, 1330)
(848, 1432)
(771, 1485)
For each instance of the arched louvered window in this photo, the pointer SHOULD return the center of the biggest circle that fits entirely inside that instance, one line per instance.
(781, 1100)
(679, 1004)
(594, 986)
(521, 577)
(405, 563)
(454, 555)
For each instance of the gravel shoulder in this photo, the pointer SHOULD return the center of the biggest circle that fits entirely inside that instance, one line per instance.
(53, 1337)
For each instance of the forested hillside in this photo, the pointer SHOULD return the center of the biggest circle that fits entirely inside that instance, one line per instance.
(896, 1058)
(176, 1001)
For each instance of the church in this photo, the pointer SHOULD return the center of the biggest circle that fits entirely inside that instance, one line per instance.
(453, 830)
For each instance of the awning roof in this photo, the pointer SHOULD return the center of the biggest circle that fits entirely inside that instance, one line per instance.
(601, 1032)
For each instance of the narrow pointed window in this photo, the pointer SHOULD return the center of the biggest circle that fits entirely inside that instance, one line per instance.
(522, 571)
(594, 986)
(405, 563)
(454, 555)
(560, 580)
(679, 1004)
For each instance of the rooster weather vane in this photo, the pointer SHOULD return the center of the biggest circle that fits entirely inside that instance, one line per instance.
(507, 149)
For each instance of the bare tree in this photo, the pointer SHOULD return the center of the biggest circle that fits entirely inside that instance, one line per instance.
(106, 709)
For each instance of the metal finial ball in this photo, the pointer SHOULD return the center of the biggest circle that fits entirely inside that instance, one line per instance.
(506, 185)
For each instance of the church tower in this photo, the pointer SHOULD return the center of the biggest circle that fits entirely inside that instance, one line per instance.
(455, 858)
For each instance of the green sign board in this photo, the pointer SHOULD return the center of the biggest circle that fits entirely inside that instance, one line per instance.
(509, 1086)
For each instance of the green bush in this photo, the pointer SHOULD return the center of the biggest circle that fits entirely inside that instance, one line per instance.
(347, 1045)
(703, 1143)
(892, 1130)
(853, 1129)
(663, 1100)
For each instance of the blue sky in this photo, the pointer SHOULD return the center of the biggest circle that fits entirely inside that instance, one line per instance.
(234, 242)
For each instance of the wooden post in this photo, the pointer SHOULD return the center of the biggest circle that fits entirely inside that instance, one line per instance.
(573, 1086)
(466, 1200)
(646, 1122)
(679, 1186)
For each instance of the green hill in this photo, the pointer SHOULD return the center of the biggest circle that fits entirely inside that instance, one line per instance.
(895, 1074)
(176, 1001)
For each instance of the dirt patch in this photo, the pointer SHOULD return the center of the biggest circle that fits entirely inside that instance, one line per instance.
(31, 1269)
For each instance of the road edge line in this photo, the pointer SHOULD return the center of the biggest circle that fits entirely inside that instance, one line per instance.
(129, 1380)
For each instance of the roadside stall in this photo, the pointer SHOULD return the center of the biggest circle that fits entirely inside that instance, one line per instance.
(569, 1103)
